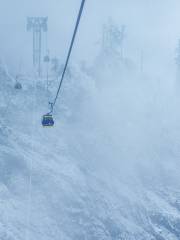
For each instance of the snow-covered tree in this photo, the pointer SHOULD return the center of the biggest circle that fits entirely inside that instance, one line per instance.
(55, 63)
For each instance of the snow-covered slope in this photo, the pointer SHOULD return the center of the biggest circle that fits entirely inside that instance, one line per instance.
(109, 169)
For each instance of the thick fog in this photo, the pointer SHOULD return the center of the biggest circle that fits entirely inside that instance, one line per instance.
(109, 168)
(151, 27)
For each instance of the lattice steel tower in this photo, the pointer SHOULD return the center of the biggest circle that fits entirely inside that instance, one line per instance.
(37, 25)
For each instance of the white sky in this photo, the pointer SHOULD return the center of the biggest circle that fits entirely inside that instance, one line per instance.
(152, 26)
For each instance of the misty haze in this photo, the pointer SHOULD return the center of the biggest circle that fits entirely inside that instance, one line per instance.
(90, 120)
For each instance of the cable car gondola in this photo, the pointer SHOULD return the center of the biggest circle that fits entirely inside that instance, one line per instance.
(47, 120)
(18, 86)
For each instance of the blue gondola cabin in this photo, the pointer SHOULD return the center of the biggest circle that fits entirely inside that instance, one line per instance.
(47, 120)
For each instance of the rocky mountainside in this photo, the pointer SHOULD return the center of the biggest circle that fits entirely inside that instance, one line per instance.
(108, 170)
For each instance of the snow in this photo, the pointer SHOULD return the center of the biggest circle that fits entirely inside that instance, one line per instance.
(107, 170)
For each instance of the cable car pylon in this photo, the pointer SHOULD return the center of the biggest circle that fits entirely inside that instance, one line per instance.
(47, 119)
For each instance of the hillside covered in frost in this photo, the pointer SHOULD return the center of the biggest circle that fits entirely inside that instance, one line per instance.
(108, 170)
